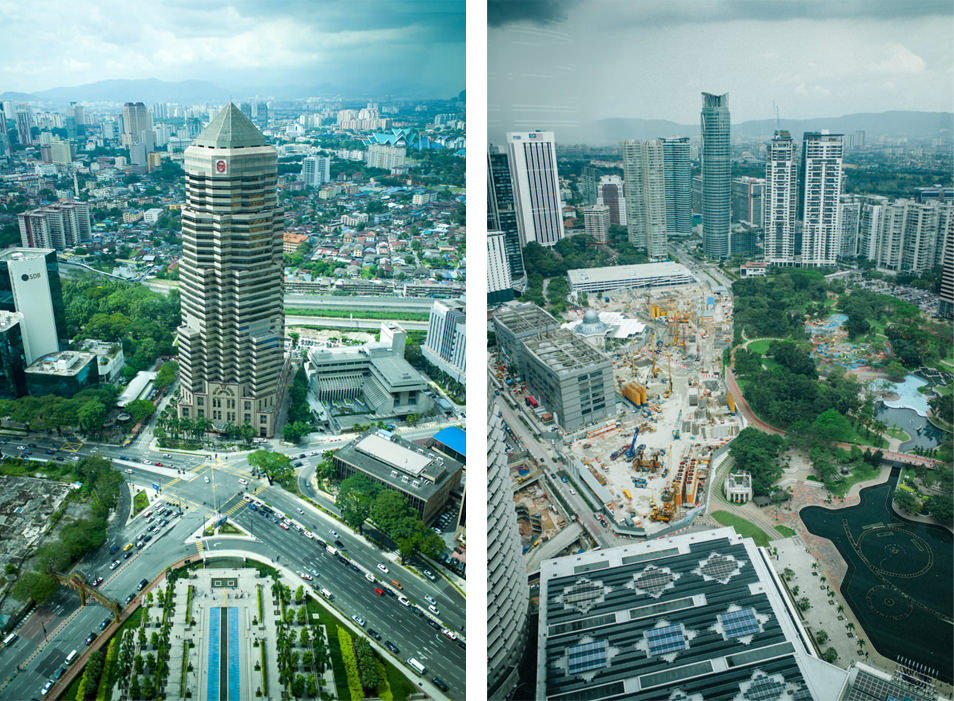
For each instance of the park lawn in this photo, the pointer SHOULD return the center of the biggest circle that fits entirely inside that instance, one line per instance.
(859, 474)
(785, 531)
(761, 347)
(770, 364)
(898, 433)
(744, 528)
(140, 502)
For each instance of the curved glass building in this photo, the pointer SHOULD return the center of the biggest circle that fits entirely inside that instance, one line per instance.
(716, 175)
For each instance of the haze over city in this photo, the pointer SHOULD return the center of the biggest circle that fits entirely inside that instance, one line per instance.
(566, 65)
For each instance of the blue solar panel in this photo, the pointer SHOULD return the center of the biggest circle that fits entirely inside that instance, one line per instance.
(665, 639)
(740, 623)
(587, 656)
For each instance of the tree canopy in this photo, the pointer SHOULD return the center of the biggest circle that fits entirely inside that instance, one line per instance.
(758, 454)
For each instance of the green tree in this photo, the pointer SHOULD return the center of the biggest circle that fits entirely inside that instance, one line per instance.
(831, 426)
(941, 507)
(139, 409)
(276, 466)
(38, 586)
(758, 454)
(91, 416)
(355, 498)
(906, 501)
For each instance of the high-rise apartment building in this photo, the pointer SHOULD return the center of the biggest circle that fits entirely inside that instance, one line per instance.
(780, 200)
(316, 170)
(909, 235)
(536, 186)
(230, 340)
(716, 175)
(24, 117)
(610, 192)
(59, 225)
(869, 226)
(508, 596)
(501, 213)
(596, 221)
(822, 182)
(386, 156)
(445, 345)
(30, 285)
(945, 306)
(645, 182)
(136, 123)
(678, 170)
(499, 279)
(850, 218)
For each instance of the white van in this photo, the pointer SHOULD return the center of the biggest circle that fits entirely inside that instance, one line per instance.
(416, 666)
(71, 658)
(8, 641)
(327, 594)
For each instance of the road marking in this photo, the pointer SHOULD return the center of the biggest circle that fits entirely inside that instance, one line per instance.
(71, 447)
(199, 547)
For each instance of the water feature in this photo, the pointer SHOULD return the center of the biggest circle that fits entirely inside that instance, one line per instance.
(908, 395)
(900, 578)
(923, 433)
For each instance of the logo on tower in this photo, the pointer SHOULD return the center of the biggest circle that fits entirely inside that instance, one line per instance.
(221, 167)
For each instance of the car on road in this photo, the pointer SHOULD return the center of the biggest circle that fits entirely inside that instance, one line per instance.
(157, 464)
(305, 575)
(449, 633)
(283, 525)
(430, 599)
(123, 457)
(142, 584)
(114, 564)
(391, 646)
(333, 533)
(440, 683)
(369, 577)
(433, 609)
(299, 510)
(46, 688)
(127, 554)
(96, 582)
(206, 478)
(357, 619)
(21, 447)
(383, 568)
(404, 600)
(374, 634)
(430, 575)
(59, 673)
(166, 455)
(379, 591)
(50, 451)
(129, 599)
(105, 622)
(242, 480)
(91, 637)
(128, 471)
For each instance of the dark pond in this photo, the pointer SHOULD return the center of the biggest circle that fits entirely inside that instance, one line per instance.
(900, 579)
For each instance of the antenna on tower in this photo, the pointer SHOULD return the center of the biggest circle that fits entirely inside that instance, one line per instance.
(778, 124)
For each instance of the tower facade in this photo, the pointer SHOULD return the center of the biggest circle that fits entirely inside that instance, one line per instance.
(596, 221)
(822, 177)
(716, 175)
(499, 280)
(508, 596)
(501, 213)
(645, 182)
(316, 170)
(231, 337)
(780, 200)
(678, 170)
(30, 285)
(536, 186)
(609, 191)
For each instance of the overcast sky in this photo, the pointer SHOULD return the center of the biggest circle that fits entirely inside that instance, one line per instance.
(55, 43)
(565, 63)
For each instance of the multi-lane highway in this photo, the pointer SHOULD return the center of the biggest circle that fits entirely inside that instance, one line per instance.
(204, 486)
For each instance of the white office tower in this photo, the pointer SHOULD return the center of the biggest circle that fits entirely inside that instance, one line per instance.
(909, 236)
(596, 221)
(316, 170)
(233, 322)
(508, 595)
(445, 345)
(610, 190)
(645, 177)
(536, 186)
(821, 228)
(30, 285)
(498, 266)
(780, 200)
(850, 216)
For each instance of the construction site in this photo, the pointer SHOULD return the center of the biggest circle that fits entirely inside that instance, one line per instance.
(649, 467)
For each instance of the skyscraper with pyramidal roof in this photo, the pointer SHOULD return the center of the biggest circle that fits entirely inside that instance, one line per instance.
(230, 340)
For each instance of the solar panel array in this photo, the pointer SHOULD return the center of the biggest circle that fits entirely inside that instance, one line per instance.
(765, 688)
(582, 595)
(654, 580)
(740, 623)
(587, 656)
(719, 567)
(665, 639)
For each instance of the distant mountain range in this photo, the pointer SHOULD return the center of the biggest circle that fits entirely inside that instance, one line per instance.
(896, 124)
(198, 91)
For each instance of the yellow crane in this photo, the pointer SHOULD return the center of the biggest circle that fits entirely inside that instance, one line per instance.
(652, 346)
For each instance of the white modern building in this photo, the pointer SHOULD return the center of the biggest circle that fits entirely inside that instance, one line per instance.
(30, 285)
(910, 234)
(508, 595)
(386, 156)
(849, 217)
(445, 345)
(780, 200)
(59, 225)
(596, 221)
(822, 155)
(628, 277)
(536, 186)
(316, 170)
(499, 279)
(645, 179)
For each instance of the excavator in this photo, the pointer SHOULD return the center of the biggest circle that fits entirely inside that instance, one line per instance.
(631, 453)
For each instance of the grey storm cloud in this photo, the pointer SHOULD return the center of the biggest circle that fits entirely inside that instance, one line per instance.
(502, 12)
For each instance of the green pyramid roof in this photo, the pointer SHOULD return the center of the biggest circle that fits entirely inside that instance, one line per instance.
(230, 129)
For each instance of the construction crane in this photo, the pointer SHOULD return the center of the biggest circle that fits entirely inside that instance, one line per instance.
(652, 346)
(631, 453)
(675, 431)
(669, 363)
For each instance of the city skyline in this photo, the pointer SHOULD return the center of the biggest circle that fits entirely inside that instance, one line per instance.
(812, 60)
(413, 46)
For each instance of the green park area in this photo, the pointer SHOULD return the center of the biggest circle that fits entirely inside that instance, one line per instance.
(744, 528)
